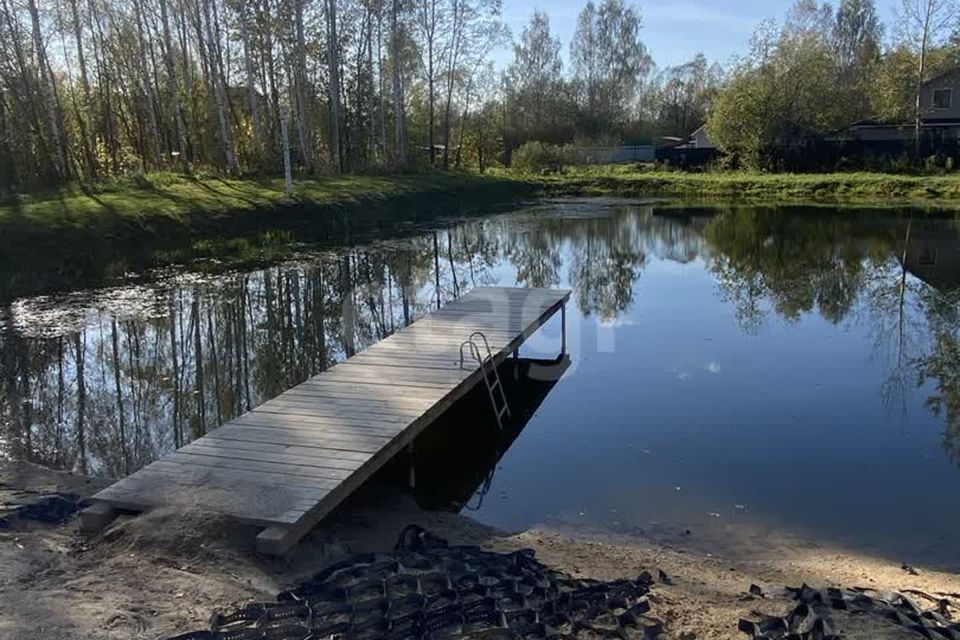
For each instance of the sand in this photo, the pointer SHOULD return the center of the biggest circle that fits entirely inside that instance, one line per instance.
(165, 572)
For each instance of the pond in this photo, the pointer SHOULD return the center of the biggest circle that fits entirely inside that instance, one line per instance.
(736, 373)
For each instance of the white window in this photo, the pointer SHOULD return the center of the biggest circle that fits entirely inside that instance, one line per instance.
(941, 98)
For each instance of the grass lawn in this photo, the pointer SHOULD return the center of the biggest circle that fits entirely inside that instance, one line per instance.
(186, 199)
(77, 237)
(157, 200)
(876, 188)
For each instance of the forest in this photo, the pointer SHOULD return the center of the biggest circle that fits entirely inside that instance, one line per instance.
(92, 89)
(97, 88)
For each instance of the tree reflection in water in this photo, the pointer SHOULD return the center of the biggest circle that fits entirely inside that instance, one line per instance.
(103, 381)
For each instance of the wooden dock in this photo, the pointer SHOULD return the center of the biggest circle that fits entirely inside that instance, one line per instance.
(286, 464)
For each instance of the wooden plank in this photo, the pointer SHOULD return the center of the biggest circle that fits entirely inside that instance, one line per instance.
(266, 438)
(261, 503)
(339, 407)
(384, 381)
(269, 434)
(371, 388)
(304, 412)
(411, 358)
(297, 470)
(163, 486)
(138, 501)
(352, 402)
(389, 374)
(351, 442)
(276, 422)
(436, 365)
(445, 342)
(330, 470)
(360, 415)
(287, 419)
(415, 366)
(312, 408)
(188, 474)
(273, 449)
(368, 390)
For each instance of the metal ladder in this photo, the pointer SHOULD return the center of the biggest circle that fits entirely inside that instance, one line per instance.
(501, 408)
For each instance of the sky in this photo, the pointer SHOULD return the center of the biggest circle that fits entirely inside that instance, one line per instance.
(673, 30)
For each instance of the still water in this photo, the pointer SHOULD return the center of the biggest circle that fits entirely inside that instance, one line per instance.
(735, 373)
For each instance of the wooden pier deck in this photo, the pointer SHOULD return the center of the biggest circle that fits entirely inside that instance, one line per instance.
(287, 463)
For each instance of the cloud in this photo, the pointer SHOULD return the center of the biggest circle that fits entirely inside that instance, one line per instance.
(712, 367)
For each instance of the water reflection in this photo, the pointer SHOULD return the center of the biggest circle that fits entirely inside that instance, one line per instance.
(105, 381)
(456, 459)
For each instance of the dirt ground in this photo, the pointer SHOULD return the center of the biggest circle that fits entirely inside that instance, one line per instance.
(164, 573)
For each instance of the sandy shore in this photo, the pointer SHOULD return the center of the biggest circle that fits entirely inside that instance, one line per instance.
(164, 573)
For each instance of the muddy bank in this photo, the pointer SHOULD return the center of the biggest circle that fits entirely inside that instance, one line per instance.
(164, 573)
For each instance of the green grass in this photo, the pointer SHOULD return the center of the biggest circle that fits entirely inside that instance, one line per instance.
(79, 237)
(172, 198)
(862, 187)
(161, 200)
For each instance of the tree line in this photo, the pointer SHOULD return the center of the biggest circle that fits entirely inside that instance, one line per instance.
(825, 67)
(91, 89)
(94, 88)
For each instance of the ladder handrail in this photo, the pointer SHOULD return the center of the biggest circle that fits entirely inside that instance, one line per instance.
(474, 351)
(482, 361)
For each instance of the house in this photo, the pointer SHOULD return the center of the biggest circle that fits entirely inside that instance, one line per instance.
(699, 139)
(940, 100)
(696, 140)
(693, 150)
(939, 119)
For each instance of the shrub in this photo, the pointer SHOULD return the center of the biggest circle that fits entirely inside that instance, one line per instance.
(540, 157)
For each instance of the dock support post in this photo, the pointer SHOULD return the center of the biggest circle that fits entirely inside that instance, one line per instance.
(563, 330)
(96, 517)
(412, 477)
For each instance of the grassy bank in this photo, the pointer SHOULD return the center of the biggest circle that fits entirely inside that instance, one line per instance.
(188, 200)
(78, 237)
(860, 187)
(174, 200)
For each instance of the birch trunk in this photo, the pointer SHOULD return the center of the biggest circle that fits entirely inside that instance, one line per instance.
(250, 74)
(89, 141)
(333, 56)
(399, 118)
(287, 172)
(154, 144)
(300, 81)
(218, 84)
(57, 158)
(173, 86)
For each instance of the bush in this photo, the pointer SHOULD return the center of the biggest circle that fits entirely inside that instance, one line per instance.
(540, 157)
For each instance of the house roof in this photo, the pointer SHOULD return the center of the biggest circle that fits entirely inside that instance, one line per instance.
(944, 74)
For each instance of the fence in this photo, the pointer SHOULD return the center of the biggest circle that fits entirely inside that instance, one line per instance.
(613, 155)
